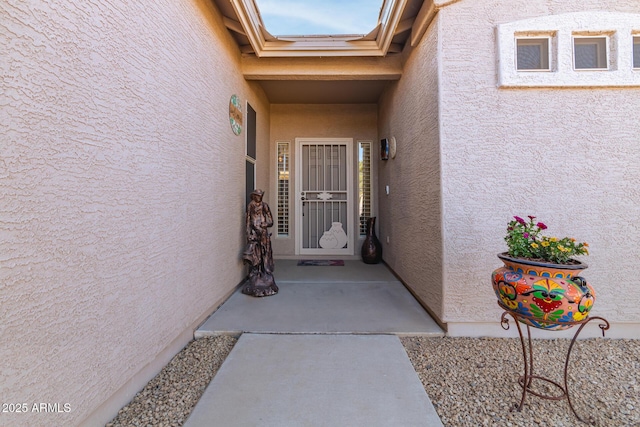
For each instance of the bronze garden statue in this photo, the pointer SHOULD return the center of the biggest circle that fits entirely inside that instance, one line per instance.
(258, 254)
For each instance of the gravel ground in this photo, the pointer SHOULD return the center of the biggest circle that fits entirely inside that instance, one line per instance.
(168, 399)
(471, 382)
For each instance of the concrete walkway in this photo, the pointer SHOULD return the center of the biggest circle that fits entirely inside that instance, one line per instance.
(324, 351)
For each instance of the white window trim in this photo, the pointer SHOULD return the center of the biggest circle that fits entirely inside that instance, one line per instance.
(620, 27)
(634, 36)
(607, 51)
(550, 55)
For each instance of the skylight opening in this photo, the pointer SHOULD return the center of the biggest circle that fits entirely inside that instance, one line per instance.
(319, 17)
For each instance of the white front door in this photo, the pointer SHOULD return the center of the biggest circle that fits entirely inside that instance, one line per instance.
(324, 194)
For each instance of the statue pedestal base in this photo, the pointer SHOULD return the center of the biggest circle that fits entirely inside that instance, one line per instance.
(260, 285)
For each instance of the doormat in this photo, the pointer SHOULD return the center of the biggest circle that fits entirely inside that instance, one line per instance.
(321, 262)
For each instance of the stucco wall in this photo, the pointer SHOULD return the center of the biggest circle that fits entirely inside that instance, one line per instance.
(291, 121)
(410, 215)
(122, 194)
(566, 155)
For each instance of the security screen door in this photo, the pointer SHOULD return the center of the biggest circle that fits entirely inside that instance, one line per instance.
(324, 190)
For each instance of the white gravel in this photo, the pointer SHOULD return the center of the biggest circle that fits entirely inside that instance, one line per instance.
(474, 382)
(169, 398)
(471, 382)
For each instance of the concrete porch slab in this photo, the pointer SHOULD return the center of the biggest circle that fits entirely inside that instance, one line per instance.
(324, 308)
(315, 380)
(287, 270)
(356, 298)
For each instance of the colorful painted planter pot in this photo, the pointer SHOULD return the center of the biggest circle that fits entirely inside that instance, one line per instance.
(546, 296)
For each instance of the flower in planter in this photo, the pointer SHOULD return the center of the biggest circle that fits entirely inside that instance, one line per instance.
(524, 240)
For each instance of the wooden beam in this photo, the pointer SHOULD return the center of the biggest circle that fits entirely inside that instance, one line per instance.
(247, 48)
(395, 48)
(403, 26)
(233, 25)
(423, 20)
(328, 68)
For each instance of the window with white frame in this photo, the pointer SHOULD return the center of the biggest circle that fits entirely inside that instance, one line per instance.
(364, 184)
(532, 54)
(584, 49)
(590, 53)
(283, 188)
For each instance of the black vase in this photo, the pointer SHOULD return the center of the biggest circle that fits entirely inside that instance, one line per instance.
(371, 247)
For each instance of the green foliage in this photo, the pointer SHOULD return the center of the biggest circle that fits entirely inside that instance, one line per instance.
(525, 241)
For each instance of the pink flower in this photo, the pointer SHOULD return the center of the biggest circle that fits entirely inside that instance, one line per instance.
(541, 226)
(525, 235)
(520, 220)
(531, 217)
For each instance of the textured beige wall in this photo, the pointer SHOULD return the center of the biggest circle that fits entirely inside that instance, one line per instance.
(122, 192)
(291, 121)
(410, 216)
(568, 156)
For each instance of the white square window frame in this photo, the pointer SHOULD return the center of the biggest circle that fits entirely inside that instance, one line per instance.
(531, 39)
(619, 27)
(635, 40)
(607, 51)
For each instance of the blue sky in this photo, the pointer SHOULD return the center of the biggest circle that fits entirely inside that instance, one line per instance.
(319, 17)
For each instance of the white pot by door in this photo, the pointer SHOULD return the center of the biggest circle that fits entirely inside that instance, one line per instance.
(324, 194)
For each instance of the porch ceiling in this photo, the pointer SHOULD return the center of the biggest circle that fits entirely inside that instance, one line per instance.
(324, 92)
(323, 80)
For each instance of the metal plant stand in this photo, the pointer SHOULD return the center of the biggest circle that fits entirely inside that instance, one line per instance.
(526, 380)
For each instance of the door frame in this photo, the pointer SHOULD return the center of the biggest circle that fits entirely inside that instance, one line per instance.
(351, 224)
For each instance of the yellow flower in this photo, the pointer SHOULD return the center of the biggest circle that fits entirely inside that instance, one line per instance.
(534, 245)
(561, 248)
(553, 239)
(545, 243)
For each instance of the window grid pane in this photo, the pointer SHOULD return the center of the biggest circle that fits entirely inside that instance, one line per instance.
(636, 52)
(590, 53)
(283, 189)
(364, 184)
(532, 54)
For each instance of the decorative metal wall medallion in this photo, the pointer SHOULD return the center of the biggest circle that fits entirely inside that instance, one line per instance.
(235, 114)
